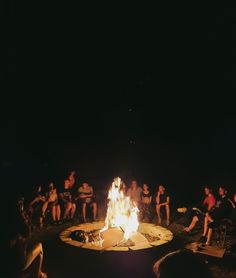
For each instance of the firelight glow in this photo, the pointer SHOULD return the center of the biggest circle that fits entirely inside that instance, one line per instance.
(122, 212)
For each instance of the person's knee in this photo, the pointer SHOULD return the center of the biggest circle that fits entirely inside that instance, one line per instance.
(167, 207)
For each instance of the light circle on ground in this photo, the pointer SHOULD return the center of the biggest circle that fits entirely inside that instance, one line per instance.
(141, 239)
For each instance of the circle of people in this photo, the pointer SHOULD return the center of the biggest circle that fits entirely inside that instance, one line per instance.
(71, 198)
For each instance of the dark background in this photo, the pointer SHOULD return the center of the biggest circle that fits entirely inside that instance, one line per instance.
(148, 94)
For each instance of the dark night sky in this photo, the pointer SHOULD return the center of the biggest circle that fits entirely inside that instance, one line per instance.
(85, 88)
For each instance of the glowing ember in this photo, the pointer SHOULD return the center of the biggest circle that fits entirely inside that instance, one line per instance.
(122, 213)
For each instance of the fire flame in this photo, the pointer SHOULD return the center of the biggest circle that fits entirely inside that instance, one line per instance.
(121, 211)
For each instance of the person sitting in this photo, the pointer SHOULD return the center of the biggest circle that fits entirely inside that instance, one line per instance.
(221, 210)
(86, 196)
(36, 205)
(163, 201)
(146, 199)
(67, 202)
(25, 259)
(206, 206)
(181, 263)
(52, 203)
(134, 192)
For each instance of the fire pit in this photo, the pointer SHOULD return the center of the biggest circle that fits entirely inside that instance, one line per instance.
(87, 236)
(121, 230)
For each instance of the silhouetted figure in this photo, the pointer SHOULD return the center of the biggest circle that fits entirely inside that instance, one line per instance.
(162, 201)
(181, 264)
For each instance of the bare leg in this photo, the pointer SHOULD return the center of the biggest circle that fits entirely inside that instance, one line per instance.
(73, 209)
(158, 210)
(67, 210)
(54, 213)
(192, 224)
(32, 254)
(167, 215)
(94, 210)
(44, 208)
(209, 236)
(84, 211)
(58, 212)
(34, 261)
(205, 226)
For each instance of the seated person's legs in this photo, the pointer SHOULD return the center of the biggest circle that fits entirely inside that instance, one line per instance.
(158, 211)
(94, 205)
(73, 209)
(167, 207)
(84, 205)
(44, 208)
(68, 207)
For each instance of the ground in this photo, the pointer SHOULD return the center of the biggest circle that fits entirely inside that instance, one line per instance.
(61, 260)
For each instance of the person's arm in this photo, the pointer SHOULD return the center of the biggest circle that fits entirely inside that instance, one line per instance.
(42, 198)
(81, 194)
(167, 201)
(158, 198)
(231, 202)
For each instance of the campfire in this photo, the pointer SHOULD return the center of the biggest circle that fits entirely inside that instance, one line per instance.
(121, 230)
(122, 214)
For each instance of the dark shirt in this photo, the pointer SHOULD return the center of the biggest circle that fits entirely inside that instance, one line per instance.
(222, 208)
(145, 197)
(65, 195)
(163, 197)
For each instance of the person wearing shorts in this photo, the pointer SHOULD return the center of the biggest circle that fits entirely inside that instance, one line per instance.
(86, 196)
